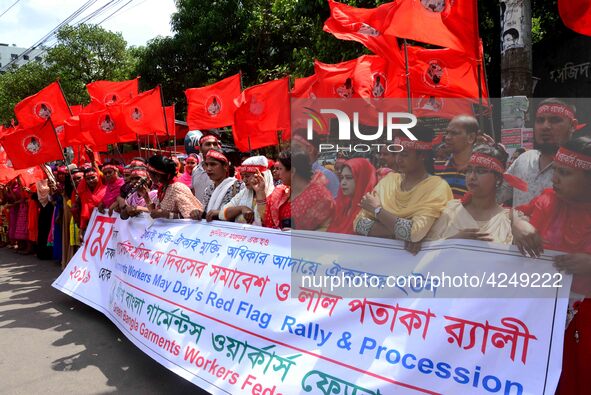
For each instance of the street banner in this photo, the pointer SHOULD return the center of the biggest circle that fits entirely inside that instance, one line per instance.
(233, 308)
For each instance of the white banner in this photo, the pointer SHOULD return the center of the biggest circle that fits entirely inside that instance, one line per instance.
(213, 303)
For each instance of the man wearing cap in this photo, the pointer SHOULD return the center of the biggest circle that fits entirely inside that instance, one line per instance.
(554, 125)
(460, 137)
(199, 178)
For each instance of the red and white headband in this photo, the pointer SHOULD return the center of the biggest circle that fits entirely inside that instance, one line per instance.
(488, 162)
(139, 173)
(112, 167)
(207, 138)
(251, 169)
(216, 155)
(155, 170)
(556, 109)
(572, 159)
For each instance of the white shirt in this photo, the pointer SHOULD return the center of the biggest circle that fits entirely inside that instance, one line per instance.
(200, 181)
(527, 167)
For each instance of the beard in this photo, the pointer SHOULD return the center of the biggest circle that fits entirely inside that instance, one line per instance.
(546, 148)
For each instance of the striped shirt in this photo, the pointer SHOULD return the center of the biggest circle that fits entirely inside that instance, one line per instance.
(454, 177)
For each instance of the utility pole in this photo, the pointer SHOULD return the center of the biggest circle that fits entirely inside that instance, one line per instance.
(516, 51)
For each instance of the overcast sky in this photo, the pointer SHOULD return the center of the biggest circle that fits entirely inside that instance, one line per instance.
(30, 20)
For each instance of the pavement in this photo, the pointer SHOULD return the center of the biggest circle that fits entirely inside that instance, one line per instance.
(52, 344)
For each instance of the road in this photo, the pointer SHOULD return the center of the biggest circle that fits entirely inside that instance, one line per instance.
(52, 344)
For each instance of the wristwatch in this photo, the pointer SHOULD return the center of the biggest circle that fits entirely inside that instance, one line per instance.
(377, 210)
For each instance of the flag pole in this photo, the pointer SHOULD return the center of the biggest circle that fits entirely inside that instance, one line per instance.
(492, 125)
(174, 131)
(63, 155)
(64, 95)
(164, 112)
(407, 77)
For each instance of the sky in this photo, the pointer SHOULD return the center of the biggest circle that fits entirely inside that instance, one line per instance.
(30, 20)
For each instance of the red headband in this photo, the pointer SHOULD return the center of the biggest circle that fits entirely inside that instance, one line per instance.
(252, 169)
(106, 167)
(556, 109)
(208, 137)
(154, 170)
(303, 141)
(137, 163)
(139, 173)
(572, 159)
(90, 173)
(217, 155)
(488, 162)
(62, 169)
(414, 144)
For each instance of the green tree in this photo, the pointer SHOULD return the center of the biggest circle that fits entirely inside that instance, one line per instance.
(264, 39)
(83, 54)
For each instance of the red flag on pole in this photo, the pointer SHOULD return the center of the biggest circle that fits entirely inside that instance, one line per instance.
(144, 113)
(303, 88)
(213, 106)
(36, 109)
(32, 146)
(112, 92)
(450, 24)
(365, 25)
(170, 119)
(443, 73)
(369, 76)
(262, 111)
(576, 15)
(101, 128)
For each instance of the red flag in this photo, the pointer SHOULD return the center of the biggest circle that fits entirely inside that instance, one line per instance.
(303, 88)
(48, 102)
(144, 113)
(170, 119)
(32, 146)
(576, 15)
(213, 106)
(368, 76)
(262, 111)
(365, 25)
(31, 175)
(450, 24)
(101, 128)
(111, 92)
(438, 107)
(76, 109)
(443, 73)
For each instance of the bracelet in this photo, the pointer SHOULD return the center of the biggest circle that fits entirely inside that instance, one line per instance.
(171, 215)
(261, 202)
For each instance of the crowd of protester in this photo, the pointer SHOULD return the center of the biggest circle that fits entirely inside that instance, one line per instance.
(464, 187)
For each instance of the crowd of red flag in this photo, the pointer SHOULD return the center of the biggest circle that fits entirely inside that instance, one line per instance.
(118, 112)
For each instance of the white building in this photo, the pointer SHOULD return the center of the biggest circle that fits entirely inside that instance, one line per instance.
(9, 53)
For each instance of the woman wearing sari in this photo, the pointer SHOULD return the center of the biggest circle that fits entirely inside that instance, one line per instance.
(243, 208)
(91, 191)
(113, 184)
(477, 215)
(224, 187)
(173, 199)
(561, 220)
(312, 205)
(358, 177)
(404, 205)
(275, 209)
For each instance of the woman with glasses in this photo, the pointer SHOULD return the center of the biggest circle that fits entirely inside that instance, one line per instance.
(477, 215)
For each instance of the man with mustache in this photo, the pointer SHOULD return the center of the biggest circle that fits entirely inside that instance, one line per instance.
(554, 125)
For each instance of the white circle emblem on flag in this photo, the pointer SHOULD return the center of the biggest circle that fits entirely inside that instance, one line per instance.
(32, 144)
(378, 88)
(345, 91)
(59, 129)
(43, 110)
(106, 123)
(367, 30)
(136, 114)
(430, 103)
(434, 5)
(213, 105)
(256, 107)
(111, 98)
(436, 74)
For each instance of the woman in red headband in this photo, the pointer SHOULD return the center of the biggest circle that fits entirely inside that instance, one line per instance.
(404, 206)
(561, 219)
(224, 187)
(477, 215)
(174, 199)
